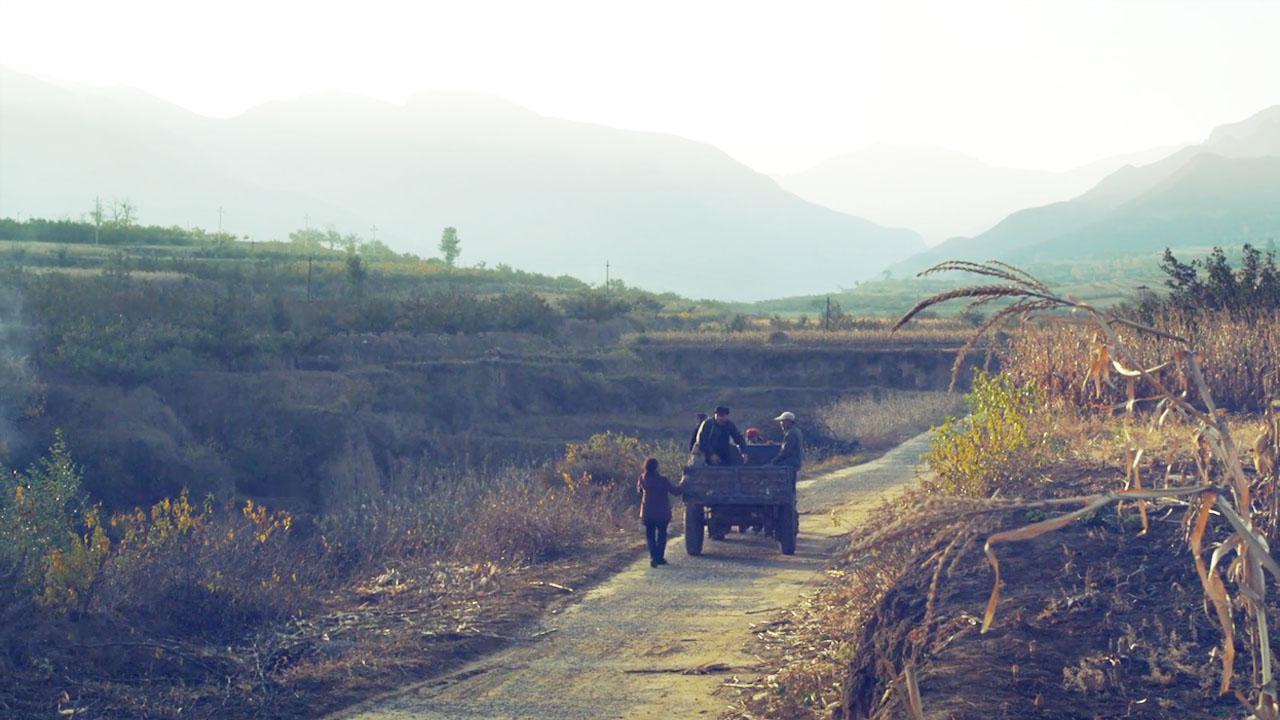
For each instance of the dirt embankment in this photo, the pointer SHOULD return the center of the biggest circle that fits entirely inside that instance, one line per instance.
(654, 643)
(367, 415)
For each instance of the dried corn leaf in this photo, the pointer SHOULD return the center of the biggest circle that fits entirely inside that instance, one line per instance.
(1255, 542)
(1215, 590)
(1027, 532)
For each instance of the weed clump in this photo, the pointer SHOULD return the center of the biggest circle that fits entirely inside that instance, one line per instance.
(1005, 436)
(614, 459)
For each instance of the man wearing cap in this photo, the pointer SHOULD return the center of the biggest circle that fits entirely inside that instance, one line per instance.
(792, 452)
(719, 440)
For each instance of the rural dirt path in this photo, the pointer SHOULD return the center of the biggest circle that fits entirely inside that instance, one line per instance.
(619, 652)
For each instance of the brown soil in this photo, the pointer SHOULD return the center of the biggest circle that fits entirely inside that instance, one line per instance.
(388, 638)
(1094, 622)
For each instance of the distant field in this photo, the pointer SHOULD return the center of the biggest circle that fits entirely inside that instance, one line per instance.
(944, 331)
(1102, 281)
(143, 274)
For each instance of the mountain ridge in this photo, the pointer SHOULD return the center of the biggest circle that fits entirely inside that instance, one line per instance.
(940, 192)
(535, 192)
(1138, 197)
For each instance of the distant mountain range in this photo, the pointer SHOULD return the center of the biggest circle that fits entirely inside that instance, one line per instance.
(1224, 191)
(537, 193)
(939, 192)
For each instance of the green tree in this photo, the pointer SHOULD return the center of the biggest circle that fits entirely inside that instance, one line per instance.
(1254, 287)
(356, 273)
(39, 508)
(308, 239)
(352, 243)
(450, 245)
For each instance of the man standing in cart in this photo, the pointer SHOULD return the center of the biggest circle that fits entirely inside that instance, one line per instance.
(792, 452)
(719, 440)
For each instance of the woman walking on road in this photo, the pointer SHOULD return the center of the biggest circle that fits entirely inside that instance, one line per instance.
(655, 509)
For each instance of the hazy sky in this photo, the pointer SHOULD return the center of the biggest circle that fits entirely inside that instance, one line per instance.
(778, 85)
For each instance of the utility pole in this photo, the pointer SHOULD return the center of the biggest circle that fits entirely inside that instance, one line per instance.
(97, 217)
(373, 229)
(826, 319)
(308, 278)
(219, 219)
(606, 276)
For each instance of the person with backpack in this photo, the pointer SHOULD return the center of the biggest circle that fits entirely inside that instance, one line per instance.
(655, 509)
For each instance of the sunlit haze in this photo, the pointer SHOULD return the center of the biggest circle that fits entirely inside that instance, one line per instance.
(779, 86)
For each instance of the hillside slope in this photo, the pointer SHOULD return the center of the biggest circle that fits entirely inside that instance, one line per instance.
(1217, 201)
(939, 192)
(537, 193)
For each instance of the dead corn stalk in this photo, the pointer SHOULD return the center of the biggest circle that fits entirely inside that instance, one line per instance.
(1026, 296)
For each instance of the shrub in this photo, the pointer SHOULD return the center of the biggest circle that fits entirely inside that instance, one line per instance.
(610, 458)
(530, 522)
(40, 513)
(1004, 437)
(183, 570)
(594, 305)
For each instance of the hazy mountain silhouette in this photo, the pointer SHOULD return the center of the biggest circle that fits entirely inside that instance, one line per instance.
(534, 192)
(1222, 191)
(939, 192)
(60, 147)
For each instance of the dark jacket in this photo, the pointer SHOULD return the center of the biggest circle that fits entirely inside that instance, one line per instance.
(655, 506)
(715, 440)
(792, 452)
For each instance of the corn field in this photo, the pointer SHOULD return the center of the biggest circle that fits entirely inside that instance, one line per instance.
(1240, 360)
(1195, 370)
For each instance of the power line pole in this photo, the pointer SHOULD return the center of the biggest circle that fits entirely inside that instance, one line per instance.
(308, 278)
(97, 217)
(606, 276)
(219, 219)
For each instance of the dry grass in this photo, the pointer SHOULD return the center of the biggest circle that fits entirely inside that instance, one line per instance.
(1240, 360)
(236, 612)
(878, 334)
(882, 420)
(913, 618)
(909, 591)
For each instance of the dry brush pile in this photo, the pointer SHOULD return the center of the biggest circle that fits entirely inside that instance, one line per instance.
(903, 635)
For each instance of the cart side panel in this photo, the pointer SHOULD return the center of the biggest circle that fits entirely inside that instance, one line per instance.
(739, 485)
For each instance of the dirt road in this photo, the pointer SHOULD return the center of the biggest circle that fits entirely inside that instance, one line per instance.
(618, 652)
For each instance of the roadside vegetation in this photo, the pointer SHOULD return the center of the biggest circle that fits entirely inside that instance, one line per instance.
(1121, 476)
(126, 594)
(236, 610)
(881, 420)
(192, 607)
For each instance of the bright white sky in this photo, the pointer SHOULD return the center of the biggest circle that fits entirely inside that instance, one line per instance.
(778, 85)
